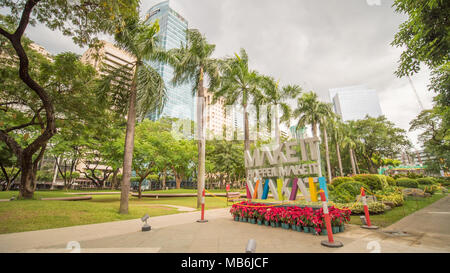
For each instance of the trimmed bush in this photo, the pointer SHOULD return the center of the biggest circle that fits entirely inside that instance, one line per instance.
(407, 183)
(374, 207)
(391, 181)
(374, 181)
(341, 179)
(347, 191)
(425, 181)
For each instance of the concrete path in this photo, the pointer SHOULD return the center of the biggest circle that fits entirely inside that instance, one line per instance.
(23, 241)
(427, 231)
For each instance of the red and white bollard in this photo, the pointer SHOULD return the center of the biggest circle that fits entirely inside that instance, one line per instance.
(331, 242)
(202, 220)
(366, 211)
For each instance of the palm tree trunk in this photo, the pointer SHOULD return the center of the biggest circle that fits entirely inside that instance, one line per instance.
(277, 127)
(356, 163)
(352, 160)
(201, 140)
(319, 163)
(246, 130)
(327, 153)
(129, 146)
(338, 152)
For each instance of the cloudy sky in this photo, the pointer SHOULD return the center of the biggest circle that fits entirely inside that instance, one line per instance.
(317, 44)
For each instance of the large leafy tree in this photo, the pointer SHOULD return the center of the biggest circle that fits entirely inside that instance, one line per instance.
(81, 20)
(193, 62)
(144, 87)
(425, 35)
(378, 137)
(435, 138)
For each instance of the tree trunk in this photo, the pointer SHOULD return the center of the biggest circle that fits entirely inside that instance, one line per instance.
(246, 130)
(114, 179)
(356, 162)
(139, 189)
(338, 152)
(164, 179)
(277, 127)
(129, 146)
(352, 160)
(178, 181)
(327, 153)
(201, 139)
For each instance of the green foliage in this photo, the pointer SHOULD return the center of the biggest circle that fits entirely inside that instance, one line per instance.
(391, 181)
(338, 180)
(358, 208)
(44, 176)
(374, 181)
(377, 138)
(407, 183)
(426, 181)
(431, 189)
(346, 191)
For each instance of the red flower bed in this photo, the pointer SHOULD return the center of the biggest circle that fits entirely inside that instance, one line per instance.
(305, 217)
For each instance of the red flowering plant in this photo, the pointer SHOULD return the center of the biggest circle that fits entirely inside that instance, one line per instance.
(268, 215)
(260, 213)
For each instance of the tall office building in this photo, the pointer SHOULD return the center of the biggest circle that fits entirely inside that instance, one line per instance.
(355, 102)
(180, 101)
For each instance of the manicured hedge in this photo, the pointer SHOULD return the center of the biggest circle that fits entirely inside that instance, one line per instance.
(374, 207)
(407, 183)
(425, 181)
(346, 191)
(374, 181)
(341, 179)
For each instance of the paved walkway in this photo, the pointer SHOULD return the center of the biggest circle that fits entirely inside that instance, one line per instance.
(428, 231)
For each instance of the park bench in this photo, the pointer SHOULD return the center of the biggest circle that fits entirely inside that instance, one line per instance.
(234, 197)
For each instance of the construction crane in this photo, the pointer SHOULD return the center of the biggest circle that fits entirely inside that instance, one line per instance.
(417, 95)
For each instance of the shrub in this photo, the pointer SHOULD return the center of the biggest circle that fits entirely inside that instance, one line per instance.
(347, 191)
(338, 180)
(391, 181)
(374, 207)
(430, 189)
(391, 194)
(374, 181)
(407, 183)
(426, 181)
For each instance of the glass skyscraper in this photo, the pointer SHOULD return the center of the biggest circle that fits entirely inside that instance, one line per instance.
(180, 101)
(355, 102)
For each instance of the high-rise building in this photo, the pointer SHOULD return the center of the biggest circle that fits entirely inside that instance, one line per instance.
(180, 100)
(216, 118)
(107, 57)
(355, 102)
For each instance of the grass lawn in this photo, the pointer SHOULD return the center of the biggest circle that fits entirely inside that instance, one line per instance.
(27, 215)
(411, 205)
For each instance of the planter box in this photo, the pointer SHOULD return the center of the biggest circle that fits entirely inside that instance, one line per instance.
(266, 223)
(306, 229)
(299, 228)
(259, 222)
(341, 228)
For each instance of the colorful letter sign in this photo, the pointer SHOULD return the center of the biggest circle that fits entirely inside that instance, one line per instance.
(274, 169)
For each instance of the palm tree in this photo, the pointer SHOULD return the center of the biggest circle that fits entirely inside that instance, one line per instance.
(144, 87)
(348, 141)
(327, 117)
(278, 96)
(311, 111)
(192, 62)
(337, 132)
(239, 83)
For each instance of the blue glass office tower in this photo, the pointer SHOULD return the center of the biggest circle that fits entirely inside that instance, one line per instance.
(172, 34)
